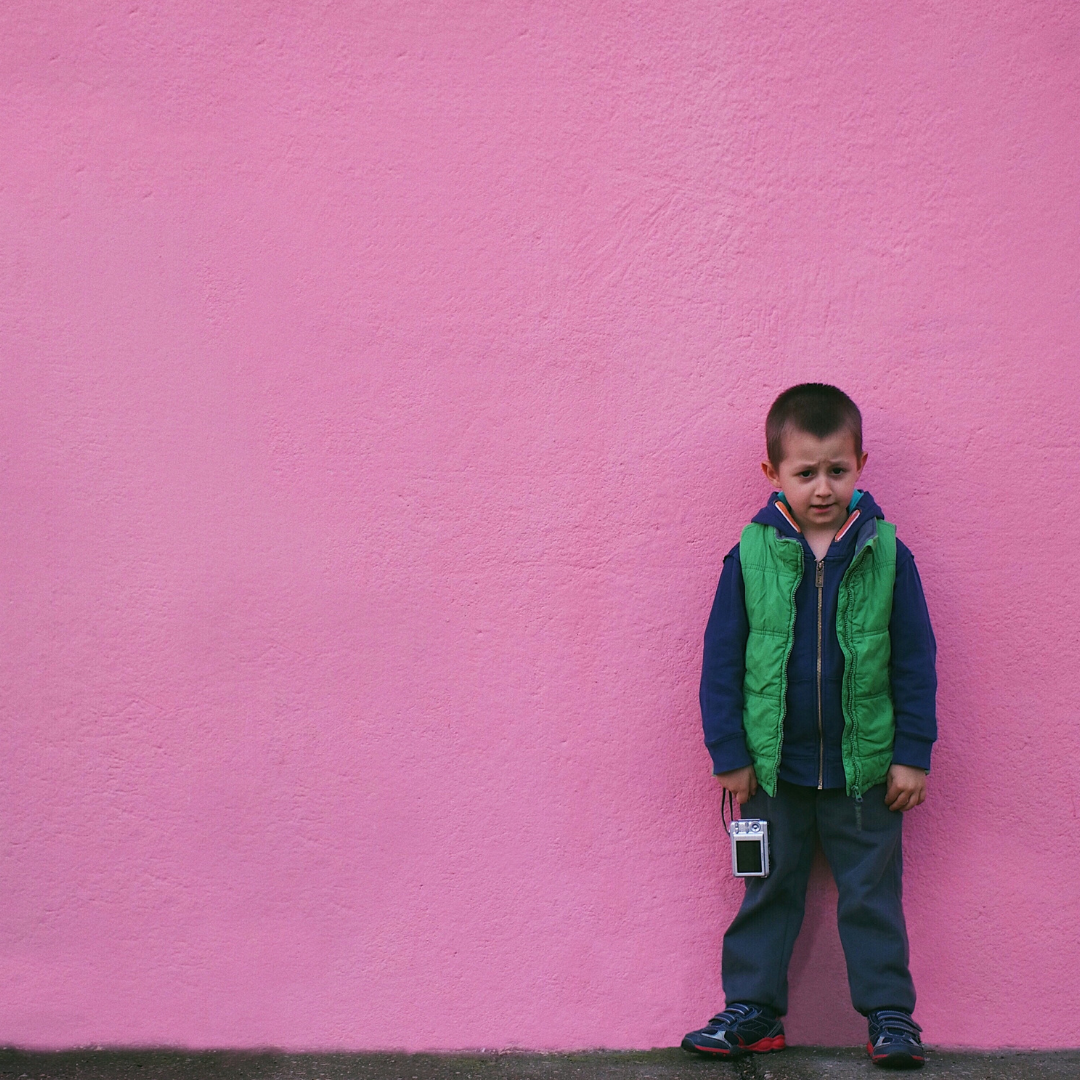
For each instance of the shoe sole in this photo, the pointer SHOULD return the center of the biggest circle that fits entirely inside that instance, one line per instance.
(900, 1060)
(762, 1046)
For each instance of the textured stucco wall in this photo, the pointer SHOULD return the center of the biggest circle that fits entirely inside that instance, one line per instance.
(382, 385)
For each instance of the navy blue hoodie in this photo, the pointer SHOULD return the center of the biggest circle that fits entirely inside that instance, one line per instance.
(810, 758)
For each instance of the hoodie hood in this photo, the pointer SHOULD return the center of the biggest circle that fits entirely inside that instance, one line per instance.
(775, 512)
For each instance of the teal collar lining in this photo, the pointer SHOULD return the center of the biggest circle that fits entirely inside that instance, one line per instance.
(851, 505)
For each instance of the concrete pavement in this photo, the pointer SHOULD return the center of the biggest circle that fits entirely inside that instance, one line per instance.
(799, 1063)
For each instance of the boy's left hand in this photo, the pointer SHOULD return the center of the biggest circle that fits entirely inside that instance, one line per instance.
(906, 787)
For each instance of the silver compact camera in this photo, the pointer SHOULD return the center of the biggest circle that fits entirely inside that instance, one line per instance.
(749, 847)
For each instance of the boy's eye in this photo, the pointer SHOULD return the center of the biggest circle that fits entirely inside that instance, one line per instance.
(806, 473)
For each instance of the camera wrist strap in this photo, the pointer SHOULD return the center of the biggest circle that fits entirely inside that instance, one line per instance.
(726, 800)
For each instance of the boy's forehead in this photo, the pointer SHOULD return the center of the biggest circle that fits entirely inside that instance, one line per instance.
(805, 446)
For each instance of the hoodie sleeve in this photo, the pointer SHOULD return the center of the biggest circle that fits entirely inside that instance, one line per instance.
(722, 671)
(913, 670)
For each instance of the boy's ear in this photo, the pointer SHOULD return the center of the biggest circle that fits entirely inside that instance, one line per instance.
(773, 476)
(862, 464)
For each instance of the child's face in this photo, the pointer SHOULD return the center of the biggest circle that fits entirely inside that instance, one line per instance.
(817, 477)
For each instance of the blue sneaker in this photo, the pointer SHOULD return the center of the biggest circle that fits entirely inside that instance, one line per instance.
(894, 1040)
(740, 1029)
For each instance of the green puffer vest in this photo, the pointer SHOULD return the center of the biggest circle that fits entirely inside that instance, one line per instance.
(772, 567)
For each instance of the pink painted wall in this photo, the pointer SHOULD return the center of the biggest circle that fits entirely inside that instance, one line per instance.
(382, 385)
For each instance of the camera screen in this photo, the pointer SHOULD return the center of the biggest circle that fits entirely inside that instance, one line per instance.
(748, 856)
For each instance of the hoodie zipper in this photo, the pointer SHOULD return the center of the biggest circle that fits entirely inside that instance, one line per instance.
(819, 582)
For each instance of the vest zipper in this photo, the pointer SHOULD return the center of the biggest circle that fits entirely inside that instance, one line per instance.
(819, 582)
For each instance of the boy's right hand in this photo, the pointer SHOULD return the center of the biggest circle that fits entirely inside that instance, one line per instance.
(742, 783)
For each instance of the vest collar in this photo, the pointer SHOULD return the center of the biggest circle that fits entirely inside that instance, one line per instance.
(778, 509)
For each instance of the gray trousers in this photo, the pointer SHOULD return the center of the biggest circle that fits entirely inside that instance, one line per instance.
(862, 843)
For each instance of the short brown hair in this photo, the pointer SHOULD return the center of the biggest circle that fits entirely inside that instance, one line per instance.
(816, 408)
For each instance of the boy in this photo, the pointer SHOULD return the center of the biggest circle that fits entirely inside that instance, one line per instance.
(817, 699)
